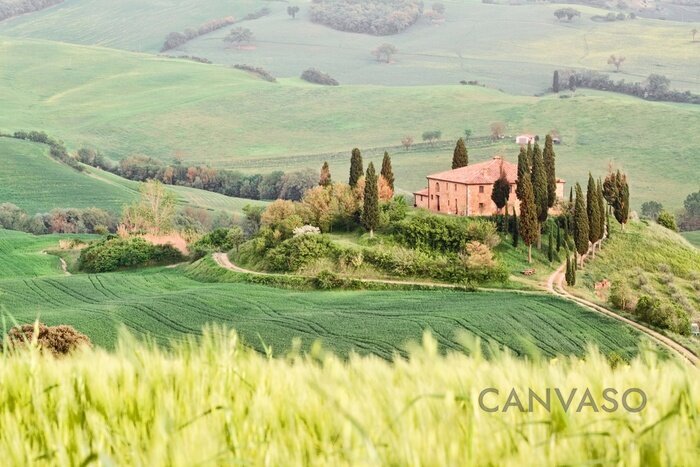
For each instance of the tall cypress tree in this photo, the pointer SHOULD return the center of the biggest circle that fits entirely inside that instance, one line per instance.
(356, 169)
(550, 247)
(580, 222)
(567, 274)
(325, 179)
(571, 195)
(529, 155)
(387, 171)
(601, 208)
(516, 230)
(593, 212)
(501, 191)
(550, 167)
(558, 237)
(370, 211)
(622, 208)
(539, 185)
(506, 222)
(460, 157)
(523, 168)
(607, 225)
(529, 227)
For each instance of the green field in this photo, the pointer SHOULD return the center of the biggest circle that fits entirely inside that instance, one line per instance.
(692, 237)
(165, 304)
(35, 182)
(515, 48)
(124, 103)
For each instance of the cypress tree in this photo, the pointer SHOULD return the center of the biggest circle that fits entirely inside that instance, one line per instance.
(356, 169)
(555, 81)
(622, 208)
(501, 191)
(550, 247)
(539, 185)
(516, 230)
(370, 211)
(387, 171)
(593, 212)
(580, 222)
(506, 222)
(549, 158)
(325, 179)
(571, 195)
(607, 225)
(529, 155)
(573, 274)
(558, 237)
(523, 168)
(601, 208)
(460, 157)
(567, 274)
(529, 228)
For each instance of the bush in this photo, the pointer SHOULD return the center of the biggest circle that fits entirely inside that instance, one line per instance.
(376, 17)
(219, 240)
(297, 252)
(57, 340)
(445, 234)
(621, 296)
(665, 316)
(312, 75)
(667, 220)
(326, 280)
(114, 253)
(261, 72)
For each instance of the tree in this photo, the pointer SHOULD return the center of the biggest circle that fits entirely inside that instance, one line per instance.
(325, 178)
(407, 142)
(460, 157)
(155, 210)
(370, 210)
(467, 135)
(292, 11)
(523, 168)
(356, 170)
(667, 220)
(555, 81)
(529, 155)
(580, 223)
(601, 208)
(694, 32)
(657, 85)
(498, 130)
(558, 237)
(567, 273)
(387, 171)
(617, 194)
(439, 8)
(501, 191)
(539, 185)
(616, 61)
(550, 245)
(529, 228)
(235, 237)
(550, 167)
(651, 209)
(384, 52)
(239, 35)
(593, 212)
(516, 230)
(432, 136)
(568, 13)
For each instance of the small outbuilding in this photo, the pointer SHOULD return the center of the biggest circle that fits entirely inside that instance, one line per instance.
(525, 139)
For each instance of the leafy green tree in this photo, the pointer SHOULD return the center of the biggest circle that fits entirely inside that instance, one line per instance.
(523, 168)
(593, 212)
(370, 211)
(325, 179)
(239, 35)
(667, 220)
(292, 11)
(387, 171)
(539, 185)
(550, 167)
(651, 209)
(460, 157)
(467, 134)
(529, 227)
(356, 169)
(235, 237)
(501, 191)
(580, 222)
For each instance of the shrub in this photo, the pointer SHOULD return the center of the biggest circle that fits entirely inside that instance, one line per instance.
(261, 72)
(665, 316)
(297, 252)
(376, 17)
(57, 340)
(445, 234)
(113, 254)
(326, 280)
(307, 230)
(667, 220)
(621, 296)
(218, 240)
(312, 75)
(477, 255)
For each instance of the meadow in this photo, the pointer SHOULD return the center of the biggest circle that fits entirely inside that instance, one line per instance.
(35, 182)
(169, 304)
(213, 402)
(692, 237)
(124, 103)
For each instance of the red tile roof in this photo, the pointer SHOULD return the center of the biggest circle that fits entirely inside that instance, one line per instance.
(423, 192)
(483, 173)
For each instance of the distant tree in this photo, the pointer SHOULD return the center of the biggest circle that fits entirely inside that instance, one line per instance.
(529, 155)
(657, 85)
(550, 167)
(593, 212)
(529, 228)
(523, 168)
(407, 142)
(460, 157)
(292, 11)
(601, 208)
(432, 136)
(501, 191)
(550, 245)
(580, 222)
(617, 194)
(690, 215)
(568, 13)
(539, 185)
(387, 171)
(235, 237)
(154, 212)
(239, 35)
(558, 237)
(384, 52)
(667, 220)
(555, 81)
(253, 218)
(616, 61)
(694, 32)
(516, 230)
(567, 273)
(325, 178)
(370, 210)
(498, 130)
(572, 83)
(467, 135)
(439, 8)
(356, 169)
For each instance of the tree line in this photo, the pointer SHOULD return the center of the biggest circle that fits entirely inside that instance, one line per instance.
(10, 8)
(65, 220)
(176, 39)
(376, 17)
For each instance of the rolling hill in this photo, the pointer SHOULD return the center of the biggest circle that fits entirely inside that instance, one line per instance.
(124, 103)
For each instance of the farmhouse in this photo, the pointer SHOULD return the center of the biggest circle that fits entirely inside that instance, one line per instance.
(524, 140)
(467, 191)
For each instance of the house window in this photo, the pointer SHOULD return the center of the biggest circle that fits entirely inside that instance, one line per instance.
(481, 188)
(481, 206)
(455, 187)
(437, 187)
(431, 197)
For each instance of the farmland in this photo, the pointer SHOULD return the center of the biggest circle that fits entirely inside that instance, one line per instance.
(124, 103)
(167, 305)
(693, 237)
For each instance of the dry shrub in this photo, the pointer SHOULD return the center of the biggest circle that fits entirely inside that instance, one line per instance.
(477, 255)
(58, 340)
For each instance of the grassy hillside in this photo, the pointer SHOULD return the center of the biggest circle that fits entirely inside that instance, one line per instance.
(515, 48)
(125, 103)
(214, 403)
(21, 255)
(166, 304)
(37, 183)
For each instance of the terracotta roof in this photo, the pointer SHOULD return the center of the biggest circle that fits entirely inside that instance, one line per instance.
(423, 192)
(483, 173)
